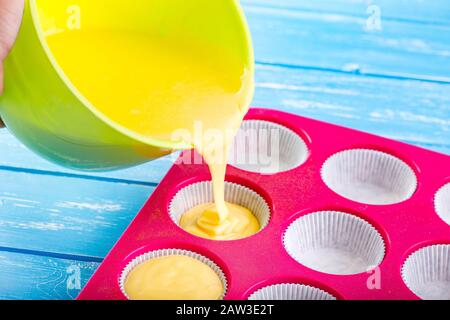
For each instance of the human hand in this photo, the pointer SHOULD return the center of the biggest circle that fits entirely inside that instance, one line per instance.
(10, 17)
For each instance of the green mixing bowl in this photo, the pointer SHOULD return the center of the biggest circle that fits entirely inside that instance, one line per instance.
(48, 114)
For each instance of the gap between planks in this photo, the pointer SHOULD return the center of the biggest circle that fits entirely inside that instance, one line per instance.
(49, 254)
(250, 4)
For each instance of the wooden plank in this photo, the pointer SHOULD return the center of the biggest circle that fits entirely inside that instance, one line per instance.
(342, 42)
(65, 215)
(429, 11)
(32, 277)
(411, 111)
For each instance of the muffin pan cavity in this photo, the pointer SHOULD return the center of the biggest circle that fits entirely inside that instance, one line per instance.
(334, 242)
(427, 272)
(202, 192)
(267, 148)
(166, 253)
(369, 176)
(442, 203)
(338, 221)
(290, 291)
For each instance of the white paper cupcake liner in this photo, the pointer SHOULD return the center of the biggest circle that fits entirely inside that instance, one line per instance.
(442, 203)
(335, 243)
(369, 176)
(426, 272)
(170, 252)
(265, 147)
(202, 192)
(290, 291)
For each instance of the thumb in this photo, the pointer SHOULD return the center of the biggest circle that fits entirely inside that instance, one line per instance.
(10, 17)
(1, 89)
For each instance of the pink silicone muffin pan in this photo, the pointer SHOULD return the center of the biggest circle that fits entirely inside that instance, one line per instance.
(344, 215)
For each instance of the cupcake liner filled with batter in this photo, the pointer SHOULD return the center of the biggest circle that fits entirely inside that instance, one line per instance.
(191, 207)
(172, 274)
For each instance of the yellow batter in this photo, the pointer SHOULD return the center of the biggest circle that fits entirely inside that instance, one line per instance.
(176, 277)
(202, 221)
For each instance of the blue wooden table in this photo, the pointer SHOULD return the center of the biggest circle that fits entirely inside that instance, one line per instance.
(382, 66)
